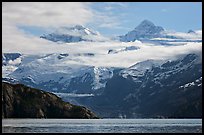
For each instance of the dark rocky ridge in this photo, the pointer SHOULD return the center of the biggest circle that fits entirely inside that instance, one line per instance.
(164, 91)
(20, 101)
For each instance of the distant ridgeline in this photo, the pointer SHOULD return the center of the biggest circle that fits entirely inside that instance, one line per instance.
(20, 101)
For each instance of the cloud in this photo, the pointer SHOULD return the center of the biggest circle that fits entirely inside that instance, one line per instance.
(41, 14)
(16, 40)
(146, 51)
(101, 57)
(107, 20)
(106, 15)
(54, 14)
(196, 36)
(20, 42)
(46, 13)
(110, 24)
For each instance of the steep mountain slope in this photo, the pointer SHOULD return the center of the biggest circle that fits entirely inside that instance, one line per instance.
(53, 73)
(144, 30)
(20, 101)
(159, 89)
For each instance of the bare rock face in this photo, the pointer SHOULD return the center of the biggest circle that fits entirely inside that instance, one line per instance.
(20, 101)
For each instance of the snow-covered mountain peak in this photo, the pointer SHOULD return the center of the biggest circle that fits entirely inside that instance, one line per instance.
(140, 68)
(145, 30)
(76, 33)
(77, 30)
(145, 24)
(148, 27)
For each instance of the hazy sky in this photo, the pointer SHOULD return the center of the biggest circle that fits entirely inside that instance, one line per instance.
(109, 18)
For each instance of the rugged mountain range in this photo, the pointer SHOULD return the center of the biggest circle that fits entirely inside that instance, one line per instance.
(48, 72)
(152, 88)
(147, 31)
(155, 89)
(171, 87)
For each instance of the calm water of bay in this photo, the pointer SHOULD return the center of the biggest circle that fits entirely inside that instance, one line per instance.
(102, 125)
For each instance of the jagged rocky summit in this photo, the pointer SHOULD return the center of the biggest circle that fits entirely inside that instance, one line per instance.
(145, 30)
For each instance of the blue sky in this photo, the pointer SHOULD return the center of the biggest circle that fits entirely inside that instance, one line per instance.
(120, 17)
(178, 16)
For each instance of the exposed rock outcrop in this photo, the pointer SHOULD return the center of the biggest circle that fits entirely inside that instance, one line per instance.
(20, 101)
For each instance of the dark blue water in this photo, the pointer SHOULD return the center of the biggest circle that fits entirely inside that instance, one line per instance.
(102, 125)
